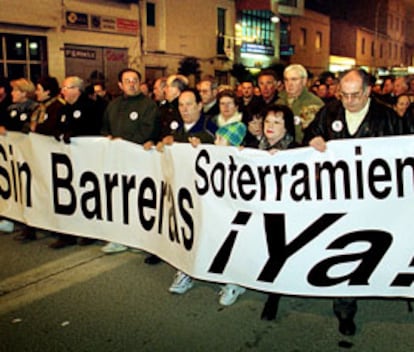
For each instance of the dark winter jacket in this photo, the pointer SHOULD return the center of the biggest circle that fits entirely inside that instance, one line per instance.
(330, 123)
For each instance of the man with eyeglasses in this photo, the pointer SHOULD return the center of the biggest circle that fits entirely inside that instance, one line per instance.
(208, 92)
(131, 116)
(356, 115)
(77, 117)
(170, 118)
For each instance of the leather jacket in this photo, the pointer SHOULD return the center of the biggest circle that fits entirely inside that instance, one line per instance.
(330, 123)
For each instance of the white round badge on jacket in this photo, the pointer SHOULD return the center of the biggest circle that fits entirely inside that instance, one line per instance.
(337, 126)
(174, 125)
(133, 115)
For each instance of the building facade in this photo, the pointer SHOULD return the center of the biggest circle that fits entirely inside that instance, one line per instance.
(91, 39)
(371, 35)
(94, 39)
(174, 30)
(310, 37)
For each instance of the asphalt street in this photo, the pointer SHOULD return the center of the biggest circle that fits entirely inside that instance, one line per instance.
(79, 299)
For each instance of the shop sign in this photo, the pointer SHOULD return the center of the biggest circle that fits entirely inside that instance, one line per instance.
(77, 19)
(252, 48)
(99, 23)
(80, 54)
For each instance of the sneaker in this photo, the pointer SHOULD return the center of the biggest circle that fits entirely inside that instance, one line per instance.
(230, 293)
(113, 247)
(181, 284)
(6, 226)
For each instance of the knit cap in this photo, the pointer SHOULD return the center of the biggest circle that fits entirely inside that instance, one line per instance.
(234, 133)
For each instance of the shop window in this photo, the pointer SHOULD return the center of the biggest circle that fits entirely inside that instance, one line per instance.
(302, 38)
(16, 48)
(150, 14)
(96, 64)
(292, 3)
(284, 33)
(15, 71)
(35, 49)
(221, 30)
(23, 56)
(257, 27)
(318, 41)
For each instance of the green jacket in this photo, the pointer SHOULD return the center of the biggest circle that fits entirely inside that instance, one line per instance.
(304, 109)
(135, 119)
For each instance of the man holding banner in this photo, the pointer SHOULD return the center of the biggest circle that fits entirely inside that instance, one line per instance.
(133, 117)
(356, 115)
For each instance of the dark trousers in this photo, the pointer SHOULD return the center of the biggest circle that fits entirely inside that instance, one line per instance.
(345, 308)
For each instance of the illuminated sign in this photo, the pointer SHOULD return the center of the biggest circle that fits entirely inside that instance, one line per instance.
(252, 48)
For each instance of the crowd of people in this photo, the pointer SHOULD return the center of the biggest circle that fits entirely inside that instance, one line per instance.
(270, 113)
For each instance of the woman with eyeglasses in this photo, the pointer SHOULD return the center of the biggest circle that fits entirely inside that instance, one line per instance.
(228, 106)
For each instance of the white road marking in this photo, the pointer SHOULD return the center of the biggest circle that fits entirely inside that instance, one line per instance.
(47, 279)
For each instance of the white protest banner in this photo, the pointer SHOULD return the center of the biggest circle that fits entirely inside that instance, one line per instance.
(299, 222)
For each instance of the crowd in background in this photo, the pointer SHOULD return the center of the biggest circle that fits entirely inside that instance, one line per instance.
(268, 112)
